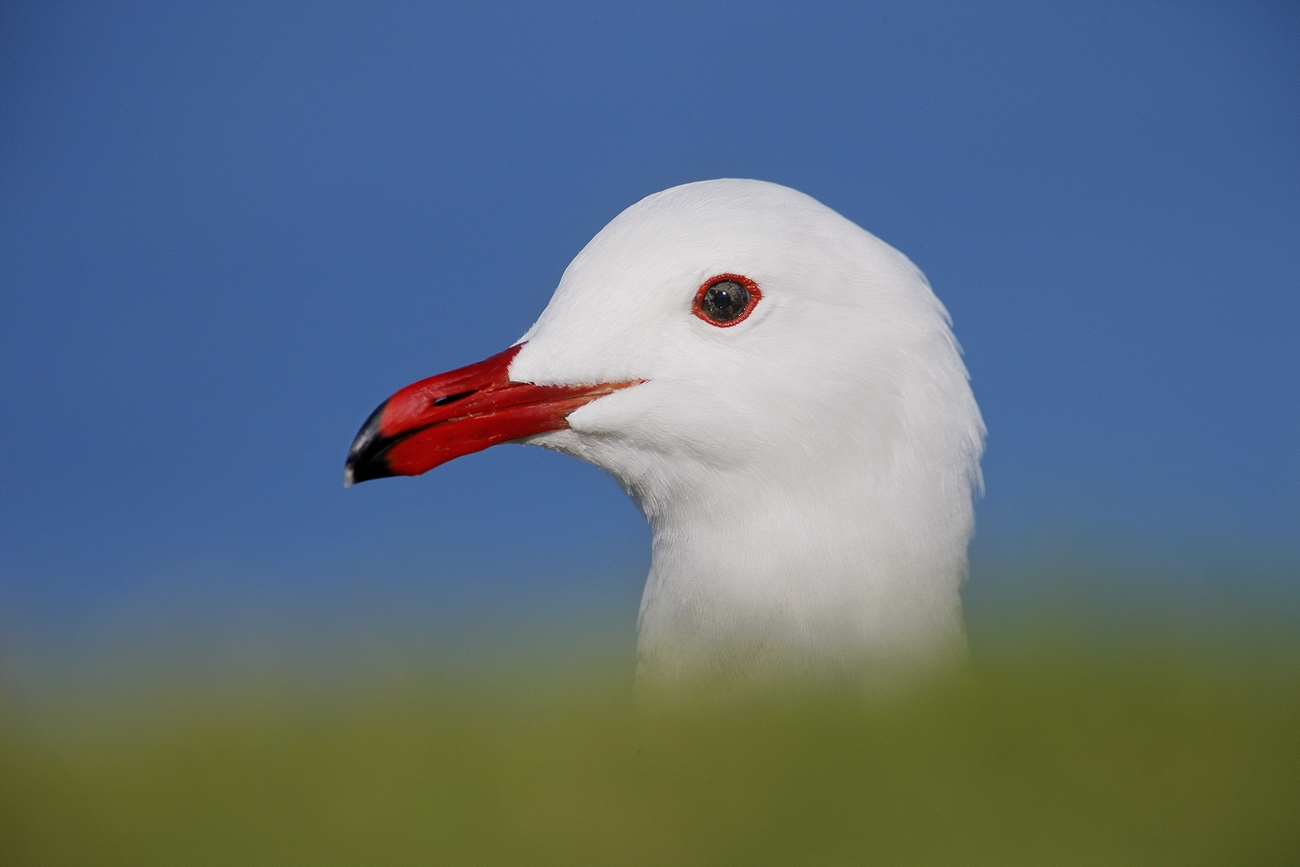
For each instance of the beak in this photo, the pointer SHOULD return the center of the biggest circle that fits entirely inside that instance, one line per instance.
(458, 413)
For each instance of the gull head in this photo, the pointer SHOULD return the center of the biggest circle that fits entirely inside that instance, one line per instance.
(781, 394)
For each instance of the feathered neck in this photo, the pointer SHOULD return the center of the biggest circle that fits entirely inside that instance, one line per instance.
(845, 574)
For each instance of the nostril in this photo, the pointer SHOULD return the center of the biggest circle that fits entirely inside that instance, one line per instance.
(452, 398)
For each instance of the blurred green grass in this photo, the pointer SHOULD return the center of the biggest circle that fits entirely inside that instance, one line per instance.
(1147, 748)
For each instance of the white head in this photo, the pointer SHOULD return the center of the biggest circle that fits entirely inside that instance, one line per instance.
(807, 468)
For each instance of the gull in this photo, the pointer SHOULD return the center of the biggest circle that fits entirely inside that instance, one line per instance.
(781, 394)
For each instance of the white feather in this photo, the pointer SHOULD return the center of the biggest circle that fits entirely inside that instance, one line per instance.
(808, 473)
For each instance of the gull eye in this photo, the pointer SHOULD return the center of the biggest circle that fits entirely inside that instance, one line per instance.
(726, 299)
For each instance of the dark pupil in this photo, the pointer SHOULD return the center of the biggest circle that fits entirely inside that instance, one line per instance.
(724, 300)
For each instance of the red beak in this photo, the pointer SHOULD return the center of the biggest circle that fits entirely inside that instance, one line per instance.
(458, 413)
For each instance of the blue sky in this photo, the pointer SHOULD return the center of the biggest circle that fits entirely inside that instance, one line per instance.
(228, 230)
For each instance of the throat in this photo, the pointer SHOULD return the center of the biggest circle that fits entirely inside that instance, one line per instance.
(810, 594)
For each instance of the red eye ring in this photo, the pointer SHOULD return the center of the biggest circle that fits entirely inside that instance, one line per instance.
(701, 308)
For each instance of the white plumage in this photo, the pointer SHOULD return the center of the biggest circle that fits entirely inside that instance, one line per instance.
(808, 473)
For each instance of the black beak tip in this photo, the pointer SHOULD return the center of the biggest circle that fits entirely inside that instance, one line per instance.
(367, 457)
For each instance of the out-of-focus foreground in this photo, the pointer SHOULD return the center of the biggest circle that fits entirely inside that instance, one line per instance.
(1144, 748)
